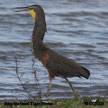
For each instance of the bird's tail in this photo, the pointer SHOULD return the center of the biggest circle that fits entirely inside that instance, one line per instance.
(86, 73)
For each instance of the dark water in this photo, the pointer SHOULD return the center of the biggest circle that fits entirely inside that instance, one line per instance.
(77, 29)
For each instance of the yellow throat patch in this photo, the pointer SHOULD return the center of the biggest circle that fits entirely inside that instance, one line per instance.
(32, 13)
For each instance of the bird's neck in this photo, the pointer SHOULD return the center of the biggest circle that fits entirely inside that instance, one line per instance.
(37, 39)
(38, 32)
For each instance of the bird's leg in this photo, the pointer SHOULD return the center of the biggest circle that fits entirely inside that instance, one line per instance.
(49, 87)
(70, 84)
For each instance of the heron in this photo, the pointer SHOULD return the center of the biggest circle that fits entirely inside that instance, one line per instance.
(57, 65)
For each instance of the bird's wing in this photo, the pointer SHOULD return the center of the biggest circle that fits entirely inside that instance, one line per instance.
(66, 67)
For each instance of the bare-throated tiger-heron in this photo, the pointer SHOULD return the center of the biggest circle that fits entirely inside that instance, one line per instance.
(56, 64)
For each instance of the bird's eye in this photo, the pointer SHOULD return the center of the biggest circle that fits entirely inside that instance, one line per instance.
(31, 7)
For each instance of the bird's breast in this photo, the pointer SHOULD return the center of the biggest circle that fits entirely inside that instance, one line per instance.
(45, 59)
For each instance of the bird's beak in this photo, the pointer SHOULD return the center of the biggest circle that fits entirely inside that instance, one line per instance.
(31, 11)
(21, 9)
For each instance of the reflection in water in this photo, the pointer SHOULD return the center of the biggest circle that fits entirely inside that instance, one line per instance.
(76, 29)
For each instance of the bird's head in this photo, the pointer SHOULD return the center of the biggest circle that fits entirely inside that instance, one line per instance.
(35, 11)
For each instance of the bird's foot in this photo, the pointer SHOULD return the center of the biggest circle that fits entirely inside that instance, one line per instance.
(77, 96)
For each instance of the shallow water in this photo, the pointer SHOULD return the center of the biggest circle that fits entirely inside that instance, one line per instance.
(77, 29)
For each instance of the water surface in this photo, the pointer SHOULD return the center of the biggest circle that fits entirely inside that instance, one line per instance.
(77, 29)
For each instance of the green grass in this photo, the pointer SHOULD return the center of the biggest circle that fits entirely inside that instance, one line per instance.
(66, 103)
